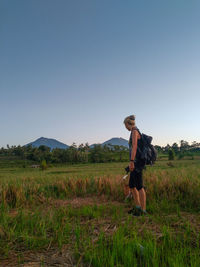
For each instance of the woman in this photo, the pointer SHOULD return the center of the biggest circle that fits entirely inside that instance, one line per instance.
(136, 167)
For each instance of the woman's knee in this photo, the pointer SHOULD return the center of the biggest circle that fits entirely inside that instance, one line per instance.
(134, 189)
(139, 187)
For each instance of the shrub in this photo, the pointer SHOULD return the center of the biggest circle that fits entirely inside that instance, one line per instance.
(171, 154)
(181, 156)
(43, 165)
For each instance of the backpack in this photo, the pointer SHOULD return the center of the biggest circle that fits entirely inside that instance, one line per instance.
(148, 153)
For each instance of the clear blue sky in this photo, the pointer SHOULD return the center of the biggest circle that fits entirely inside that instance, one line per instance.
(73, 70)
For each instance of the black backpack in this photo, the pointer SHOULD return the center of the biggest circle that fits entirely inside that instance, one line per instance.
(148, 153)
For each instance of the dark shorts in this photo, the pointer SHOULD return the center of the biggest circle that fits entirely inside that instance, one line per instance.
(136, 179)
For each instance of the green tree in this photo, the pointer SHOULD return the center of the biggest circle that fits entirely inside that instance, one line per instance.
(171, 154)
(175, 147)
(184, 145)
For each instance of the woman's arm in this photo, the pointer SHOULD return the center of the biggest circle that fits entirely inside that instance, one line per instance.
(134, 144)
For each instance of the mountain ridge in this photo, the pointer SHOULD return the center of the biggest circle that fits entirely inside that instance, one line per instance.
(50, 142)
(53, 143)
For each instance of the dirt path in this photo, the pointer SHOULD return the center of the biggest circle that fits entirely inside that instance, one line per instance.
(83, 201)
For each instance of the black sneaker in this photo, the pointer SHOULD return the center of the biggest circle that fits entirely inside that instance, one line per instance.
(131, 210)
(137, 212)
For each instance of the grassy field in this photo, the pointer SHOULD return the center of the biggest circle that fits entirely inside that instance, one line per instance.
(76, 215)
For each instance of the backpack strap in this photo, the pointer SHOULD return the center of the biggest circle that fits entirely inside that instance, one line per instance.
(139, 148)
(136, 128)
(139, 133)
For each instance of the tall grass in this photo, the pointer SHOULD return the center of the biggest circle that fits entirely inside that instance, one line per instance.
(171, 185)
(126, 248)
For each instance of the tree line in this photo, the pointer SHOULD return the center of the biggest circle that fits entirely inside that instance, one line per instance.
(98, 153)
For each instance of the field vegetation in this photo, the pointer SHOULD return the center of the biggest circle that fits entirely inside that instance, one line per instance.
(76, 215)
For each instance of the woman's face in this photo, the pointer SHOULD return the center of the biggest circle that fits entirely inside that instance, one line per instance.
(128, 126)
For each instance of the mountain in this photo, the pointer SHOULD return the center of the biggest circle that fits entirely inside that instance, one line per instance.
(114, 141)
(52, 143)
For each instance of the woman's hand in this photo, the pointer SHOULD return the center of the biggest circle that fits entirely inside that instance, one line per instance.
(131, 166)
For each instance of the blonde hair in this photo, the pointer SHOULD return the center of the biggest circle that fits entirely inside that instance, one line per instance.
(130, 120)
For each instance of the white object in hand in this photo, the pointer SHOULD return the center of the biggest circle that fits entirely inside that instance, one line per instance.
(125, 176)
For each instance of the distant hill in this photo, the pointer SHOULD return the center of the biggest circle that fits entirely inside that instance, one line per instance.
(114, 141)
(52, 143)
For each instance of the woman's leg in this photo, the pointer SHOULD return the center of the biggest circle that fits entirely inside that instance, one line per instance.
(142, 196)
(136, 196)
(140, 188)
(132, 186)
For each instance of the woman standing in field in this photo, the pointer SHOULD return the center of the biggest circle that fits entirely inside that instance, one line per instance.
(136, 167)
